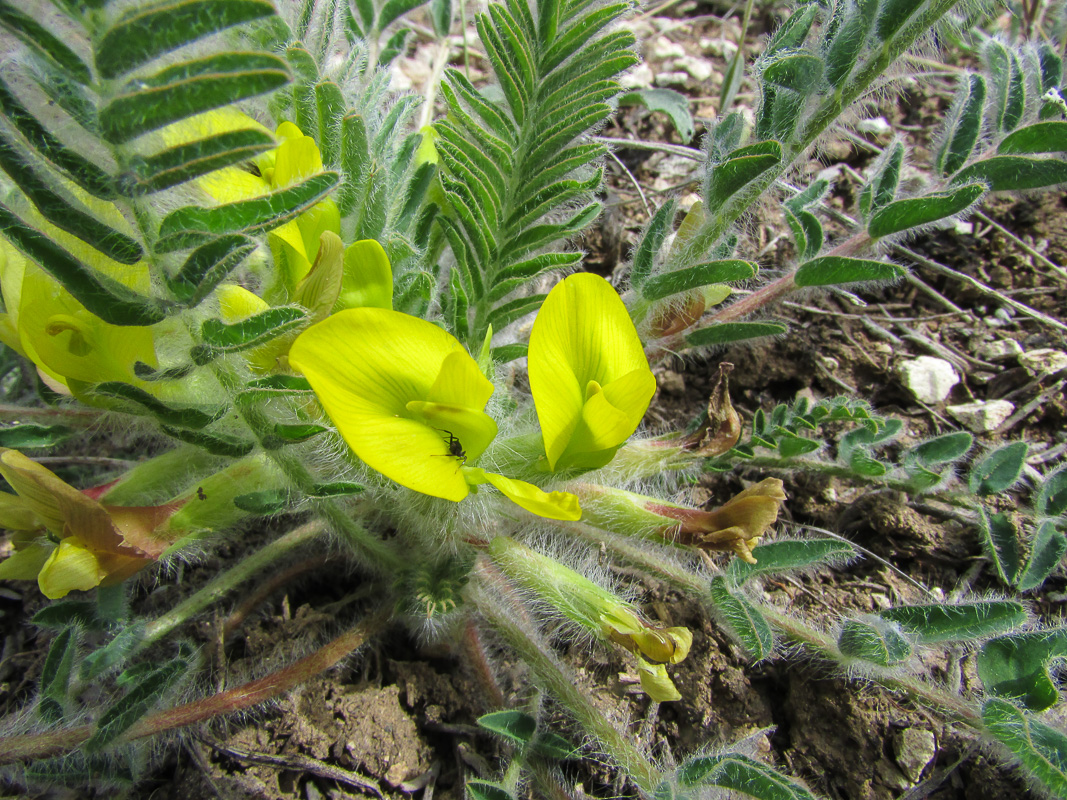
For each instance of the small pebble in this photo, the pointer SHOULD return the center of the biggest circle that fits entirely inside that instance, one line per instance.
(982, 416)
(877, 126)
(914, 749)
(700, 69)
(640, 77)
(1045, 361)
(672, 79)
(929, 379)
(1000, 350)
(661, 48)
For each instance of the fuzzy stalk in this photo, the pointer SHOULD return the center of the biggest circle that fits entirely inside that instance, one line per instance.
(496, 605)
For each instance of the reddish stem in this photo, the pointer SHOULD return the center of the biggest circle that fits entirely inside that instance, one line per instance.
(35, 746)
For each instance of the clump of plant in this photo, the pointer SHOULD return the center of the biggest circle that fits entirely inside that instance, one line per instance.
(221, 226)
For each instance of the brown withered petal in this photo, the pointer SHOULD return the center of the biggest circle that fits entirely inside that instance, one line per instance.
(721, 430)
(736, 525)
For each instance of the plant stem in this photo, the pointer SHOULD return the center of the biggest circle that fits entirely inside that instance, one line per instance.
(495, 603)
(227, 581)
(37, 746)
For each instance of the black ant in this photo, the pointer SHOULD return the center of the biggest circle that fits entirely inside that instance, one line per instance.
(455, 448)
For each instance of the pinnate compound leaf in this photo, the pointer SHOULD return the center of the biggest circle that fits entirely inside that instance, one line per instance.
(742, 774)
(30, 436)
(881, 644)
(957, 623)
(117, 719)
(191, 418)
(252, 331)
(189, 88)
(743, 619)
(1042, 137)
(487, 790)
(1041, 750)
(107, 298)
(1015, 173)
(145, 33)
(516, 726)
(1000, 540)
(727, 332)
(1046, 551)
(674, 104)
(740, 168)
(195, 225)
(913, 212)
(837, 270)
(787, 555)
(998, 470)
(1016, 667)
(184, 162)
(684, 280)
(1052, 496)
(33, 34)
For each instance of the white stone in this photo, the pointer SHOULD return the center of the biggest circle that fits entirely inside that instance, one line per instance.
(722, 48)
(1044, 361)
(1000, 350)
(929, 379)
(661, 48)
(982, 416)
(672, 79)
(877, 126)
(701, 69)
(640, 77)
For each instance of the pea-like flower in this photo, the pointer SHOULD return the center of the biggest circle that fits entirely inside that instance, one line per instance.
(588, 373)
(87, 543)
(410, 402)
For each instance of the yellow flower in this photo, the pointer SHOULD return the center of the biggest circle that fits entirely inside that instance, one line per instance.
(87, 544)
(409, 400)
(588, 373)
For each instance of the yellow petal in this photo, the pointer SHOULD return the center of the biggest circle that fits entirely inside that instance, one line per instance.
(70, 567)
(237, 303)
(16, 515)
(318, 290)
(656, 683)
(375, 373)
(298, 158)
(583, 338)
(368, 278)
(471, 430)
(550, 505)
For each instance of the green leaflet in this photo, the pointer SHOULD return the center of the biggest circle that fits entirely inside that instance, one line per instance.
(798, 72)
(1046, 551)
(786, 555)
(140, 35)
(55, 674)
(1041, 749)
(914, 212)
(961, 623)
(733, 771)
(516, 726)
(103, 296)
(194, 225)
(117, 719)
(209, 265)
(63, 211)
(255, 330)
(1000, 540)
(487, 790)
(743, 619)
(740, 168)
(189, 88)
(1051, 497)
(218, 445)
(836, 270)
(1017, 667)
(683, 280)
(43, 41)
(941, 449)
(83, 172)
(674, 104)
(849, 41)
(998, 470)
(651, 242)
(727, 332)
(1041, 137)
(964, 125)
(188, 417)
(182, 163)
(1015, 173)
(29, 435)
(877, 643)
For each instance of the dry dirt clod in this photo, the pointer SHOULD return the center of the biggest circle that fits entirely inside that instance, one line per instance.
(929, 379)
(982, 416)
